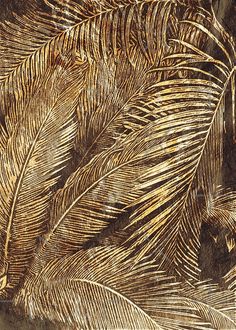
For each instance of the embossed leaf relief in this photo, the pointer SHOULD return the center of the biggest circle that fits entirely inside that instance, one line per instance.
(111, 156)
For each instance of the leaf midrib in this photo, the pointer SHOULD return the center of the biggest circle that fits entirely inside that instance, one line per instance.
(206, 139)
(20, 181)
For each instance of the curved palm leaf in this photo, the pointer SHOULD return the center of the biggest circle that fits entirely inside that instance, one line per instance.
(159, 99)
(113, 109)
(150, 151)
(102, 288)
(141, 164)
(83, 208)
(204, 176)
(55, 33)
(35, 153)
(212, 303)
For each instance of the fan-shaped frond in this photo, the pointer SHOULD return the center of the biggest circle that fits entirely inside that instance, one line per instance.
(35, 152)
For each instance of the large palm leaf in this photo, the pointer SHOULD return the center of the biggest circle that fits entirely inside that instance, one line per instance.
(34, 154)
(54, 33)
(201, 185)
(103, 289)
(83, 208)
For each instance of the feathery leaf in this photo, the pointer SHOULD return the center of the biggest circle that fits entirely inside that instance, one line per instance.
(94, 30)
(102, 288)
(213, 305)
(35, 153)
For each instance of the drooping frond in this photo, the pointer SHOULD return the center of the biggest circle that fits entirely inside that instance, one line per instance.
(101, 289)
(165, 202)
(35, 153)
(214, 305)
(94, 29)
(82, 208)
(117, 100)
(185, 91)
(174, 229)
(135, 89)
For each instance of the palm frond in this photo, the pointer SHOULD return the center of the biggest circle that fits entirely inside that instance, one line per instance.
(178, 239)
(83, 29)
(198, 135)
(35, 153)
(113, 104)
(84, 288)
(83, 208)
(147, 135)
(102, 288)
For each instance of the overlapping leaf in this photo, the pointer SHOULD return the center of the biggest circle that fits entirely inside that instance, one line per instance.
(212, 303)
(35, 152)
(102, 288)
(149, 147)
(93, 29)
